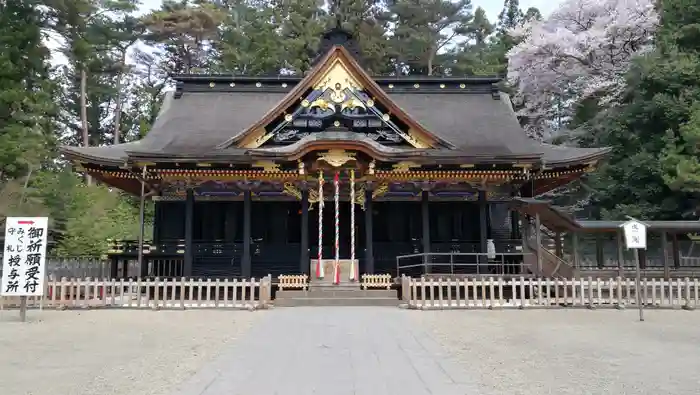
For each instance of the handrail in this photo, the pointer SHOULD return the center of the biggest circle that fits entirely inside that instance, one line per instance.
(425, 263)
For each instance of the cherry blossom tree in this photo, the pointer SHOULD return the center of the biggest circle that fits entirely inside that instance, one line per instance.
(581, 50)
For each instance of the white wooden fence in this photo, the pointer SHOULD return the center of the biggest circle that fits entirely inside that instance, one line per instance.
(547, 293)
(155, 294)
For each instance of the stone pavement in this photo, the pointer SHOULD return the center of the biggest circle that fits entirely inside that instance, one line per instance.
(332, 351)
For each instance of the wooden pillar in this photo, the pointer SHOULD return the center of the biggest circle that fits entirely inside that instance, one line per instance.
(558, 249)
(664, 251)
(246, 261)
(514, 228)
(369, 251)
(575, 252)
(114, 268)
(599, 257)
(304, 262)
(189, 233)
(483, 226)
(157, 214)
(642, 258)
(620, 253)
(676, 251)
(425, 226)
(538, 242)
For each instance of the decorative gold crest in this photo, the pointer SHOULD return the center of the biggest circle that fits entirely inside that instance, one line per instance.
(337, 157)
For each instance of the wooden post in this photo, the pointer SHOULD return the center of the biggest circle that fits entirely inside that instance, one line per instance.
(558, 245)
(620, 254)
(189, 232)
(142, 208)
(600, 260)
(369, 251)
(23, 308)
(246, 261)
(483, 227)
(664, 251)
(304, 262)
(425, 217)
(676, 251)
(576, 253)
(538, 242)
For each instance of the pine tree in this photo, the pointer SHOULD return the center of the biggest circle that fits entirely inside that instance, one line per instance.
(365, 20)
(423, 30)
(26, 106)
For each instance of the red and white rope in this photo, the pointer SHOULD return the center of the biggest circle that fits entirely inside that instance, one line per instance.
(336, 274)
(353, 275)
(319, 263)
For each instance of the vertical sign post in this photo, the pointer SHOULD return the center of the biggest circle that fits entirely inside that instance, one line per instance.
(636, 238)
(24, 259)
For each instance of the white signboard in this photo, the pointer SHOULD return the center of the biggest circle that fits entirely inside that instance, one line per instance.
(635, 234)
(24, 256)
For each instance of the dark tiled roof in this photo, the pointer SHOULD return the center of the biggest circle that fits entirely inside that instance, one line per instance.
(477, 120)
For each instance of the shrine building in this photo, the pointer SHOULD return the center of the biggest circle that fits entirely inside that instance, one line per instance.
(262, 175)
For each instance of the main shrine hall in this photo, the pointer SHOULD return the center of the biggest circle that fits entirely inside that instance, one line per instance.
(265, 175)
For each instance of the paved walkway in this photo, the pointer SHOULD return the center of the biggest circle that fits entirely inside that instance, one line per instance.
(332, 351)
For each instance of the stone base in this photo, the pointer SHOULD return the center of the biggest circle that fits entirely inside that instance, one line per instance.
(328, 268)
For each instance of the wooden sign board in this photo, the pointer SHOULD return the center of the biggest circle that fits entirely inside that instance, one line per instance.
(635, 234)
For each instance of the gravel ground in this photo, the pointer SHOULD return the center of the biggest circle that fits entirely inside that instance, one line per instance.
(573, 351)
(120, 352)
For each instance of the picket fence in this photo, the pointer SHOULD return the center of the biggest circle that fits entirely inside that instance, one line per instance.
(421, 293)
(152, 293)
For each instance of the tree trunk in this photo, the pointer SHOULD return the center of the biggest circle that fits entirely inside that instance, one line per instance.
(431, 59)
(118, 107)
(83, 114)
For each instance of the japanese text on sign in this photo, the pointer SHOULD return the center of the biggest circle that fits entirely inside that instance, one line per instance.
(635, 234)
(24, 256)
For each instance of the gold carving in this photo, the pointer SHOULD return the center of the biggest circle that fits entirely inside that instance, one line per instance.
(291, 190)
(415, 141)
(381, 190)
(321, 103)
(256, 139)
(267, 165)
(337, 157)
(203, 164)
(466, 166)
(337, 78)
(404, 166)
(352, 104)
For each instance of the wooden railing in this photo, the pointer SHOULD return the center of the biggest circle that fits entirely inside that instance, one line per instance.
(293, 281)
(376, 281)
(157, 294)
(547, 293)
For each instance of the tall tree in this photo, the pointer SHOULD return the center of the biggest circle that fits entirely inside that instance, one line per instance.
(365, 19)
(301, 24)
(582, 50)
(184, 31)
(26, 105)
(423, 29)
(650, 172)
(249, 39)
(677, 66)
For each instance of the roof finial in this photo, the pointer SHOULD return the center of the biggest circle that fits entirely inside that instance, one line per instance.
(338, 21)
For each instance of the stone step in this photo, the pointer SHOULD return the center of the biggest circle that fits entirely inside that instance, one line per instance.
(336, 293)
(366, 301)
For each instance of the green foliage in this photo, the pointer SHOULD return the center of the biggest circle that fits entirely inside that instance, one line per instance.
(25, 91)
(653, 169)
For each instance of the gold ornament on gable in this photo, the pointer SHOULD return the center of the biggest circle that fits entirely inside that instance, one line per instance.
(337, 157)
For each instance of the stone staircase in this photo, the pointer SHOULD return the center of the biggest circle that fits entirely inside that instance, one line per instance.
(344, 294)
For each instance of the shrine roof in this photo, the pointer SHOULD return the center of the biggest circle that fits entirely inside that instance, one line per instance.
(434, 119)
(476, 120)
